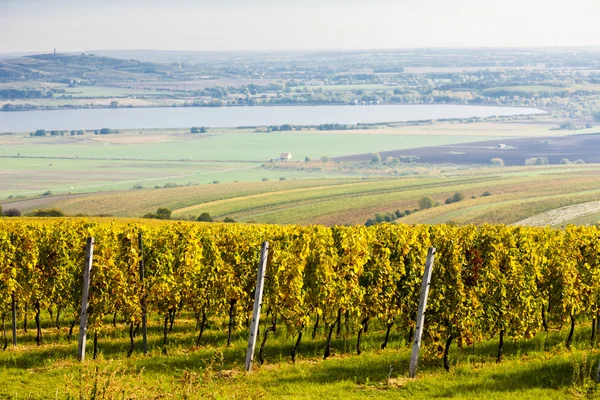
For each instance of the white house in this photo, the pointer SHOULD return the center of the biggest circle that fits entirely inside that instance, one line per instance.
(285, 156)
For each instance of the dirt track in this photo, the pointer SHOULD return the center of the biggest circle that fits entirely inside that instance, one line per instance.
(562, 215)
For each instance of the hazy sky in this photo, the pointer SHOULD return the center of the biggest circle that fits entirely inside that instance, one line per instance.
(75, 25)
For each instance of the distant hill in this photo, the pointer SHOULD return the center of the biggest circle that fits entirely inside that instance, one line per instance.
(64, 68)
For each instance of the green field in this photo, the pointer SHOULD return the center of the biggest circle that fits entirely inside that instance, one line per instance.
(91, 163)
(233, 146)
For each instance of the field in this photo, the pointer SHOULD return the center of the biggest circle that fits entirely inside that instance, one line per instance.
(582, 146)
(245, 186)
(515, 194)
(32, 166)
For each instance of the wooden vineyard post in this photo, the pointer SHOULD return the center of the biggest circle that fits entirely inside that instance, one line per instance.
(14, 320)
(142, 276)
(414, 359)
(83, 320)
(260, 280)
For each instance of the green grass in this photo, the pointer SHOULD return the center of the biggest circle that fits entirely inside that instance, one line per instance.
(234, 146)
(537, 368)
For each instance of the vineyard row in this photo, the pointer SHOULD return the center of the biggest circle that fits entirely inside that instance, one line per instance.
(488, 281)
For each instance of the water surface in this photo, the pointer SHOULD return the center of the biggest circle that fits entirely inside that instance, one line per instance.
(183, 117)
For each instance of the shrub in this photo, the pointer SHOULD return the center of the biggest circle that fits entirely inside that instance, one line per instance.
(375, 157)
(170, 185)
(205, 217)
(108, 131)
(497, 162)
(163, 213)
(264, 179)
(229, 220)
(51, 212)
(215, 182)
(456, 197)
(283, 178)
(580, 161)
(541, 161)
(11, 212)
(565, 161)
(307, 159)
(138, 186)
(324, 158)
(48, 193)
(426, 202)
(486, 194)
(537, 161)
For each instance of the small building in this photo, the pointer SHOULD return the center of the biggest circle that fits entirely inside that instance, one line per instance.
(285, 156)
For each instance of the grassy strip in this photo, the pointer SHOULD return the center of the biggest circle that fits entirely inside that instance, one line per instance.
(540, 367)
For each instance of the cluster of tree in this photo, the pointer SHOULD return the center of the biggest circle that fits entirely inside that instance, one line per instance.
(571, 126)
(336, 127)
(11, 212)
(106, 131)
(427, 202)
(566, 161)
(537, 161)
(28, 93)
(18, 107)
(198, 129)
(455, 198)
(51, 212)
(161, 213)
(381, 218)
(282, 128)
(43, 132)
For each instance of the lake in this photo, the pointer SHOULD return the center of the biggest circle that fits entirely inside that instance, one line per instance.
(183, 117)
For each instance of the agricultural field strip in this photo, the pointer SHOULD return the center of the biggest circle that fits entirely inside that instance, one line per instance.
(341, 213)
(424, 188)
(561, 215)
(172, 198)
(511, 213)
(178, 198)
(504, 210)
(516, 191)
(141, 180)
(327, 193)
(361, 207)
